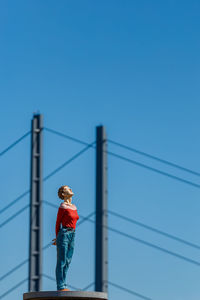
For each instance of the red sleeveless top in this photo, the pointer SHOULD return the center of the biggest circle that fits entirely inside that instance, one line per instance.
(66, 216)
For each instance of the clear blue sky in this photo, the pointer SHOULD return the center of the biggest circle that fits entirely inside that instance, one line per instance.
(133, 66)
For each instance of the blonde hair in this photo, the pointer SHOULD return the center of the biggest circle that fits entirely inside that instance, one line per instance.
(60, 192)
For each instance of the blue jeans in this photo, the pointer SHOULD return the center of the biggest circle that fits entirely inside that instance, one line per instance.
(65, 249)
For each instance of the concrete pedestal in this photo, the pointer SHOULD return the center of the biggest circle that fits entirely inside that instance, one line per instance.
(65, 295)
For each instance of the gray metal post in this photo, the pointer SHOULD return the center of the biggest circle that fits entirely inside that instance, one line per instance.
(101, 260)
(35, 250)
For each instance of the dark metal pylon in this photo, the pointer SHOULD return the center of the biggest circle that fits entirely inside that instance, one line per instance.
(35, 245)
(101, 260)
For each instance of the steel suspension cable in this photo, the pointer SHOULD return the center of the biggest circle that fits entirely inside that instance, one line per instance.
(153, 169)
(137, 163)
(13, 216)
(14, 269)
(66, 136)
(155, 230)
(14, 144)
(68, 161)
(177, 255)
(15, 201)
(155, 158)
(129, 291)
(48, 176)
(13, 288)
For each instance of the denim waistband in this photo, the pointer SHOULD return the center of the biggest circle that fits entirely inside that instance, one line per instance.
(68, 228)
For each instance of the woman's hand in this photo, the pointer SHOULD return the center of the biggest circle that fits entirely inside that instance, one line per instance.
(54, 242)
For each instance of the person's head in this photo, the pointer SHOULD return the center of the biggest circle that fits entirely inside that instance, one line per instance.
(65, 193)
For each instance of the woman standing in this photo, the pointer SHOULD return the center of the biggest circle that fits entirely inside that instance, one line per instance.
(67, 216)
